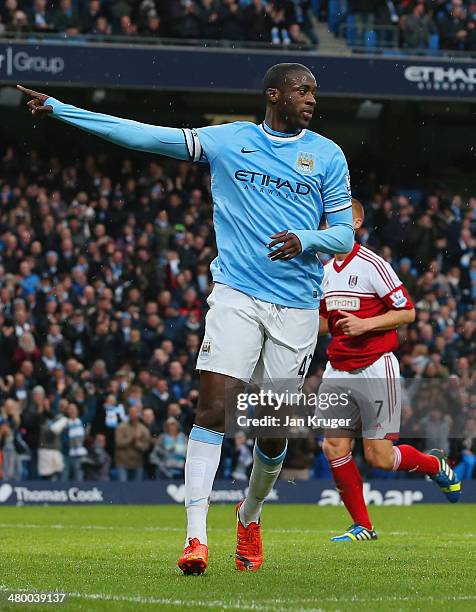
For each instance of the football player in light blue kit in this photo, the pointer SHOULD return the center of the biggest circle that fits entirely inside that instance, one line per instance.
(271, 184)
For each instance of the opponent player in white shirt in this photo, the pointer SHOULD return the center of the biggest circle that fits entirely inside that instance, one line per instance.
(364, 303)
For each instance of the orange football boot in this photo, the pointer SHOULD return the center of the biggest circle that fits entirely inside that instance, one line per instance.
(194, 559)
(249, 550)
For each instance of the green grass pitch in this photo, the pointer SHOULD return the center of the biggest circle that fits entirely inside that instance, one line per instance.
(124, 558)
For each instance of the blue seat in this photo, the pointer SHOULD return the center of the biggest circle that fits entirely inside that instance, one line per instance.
(315, 7)
(350, 31)
(334, 16)
(370, 39)
(434, 42)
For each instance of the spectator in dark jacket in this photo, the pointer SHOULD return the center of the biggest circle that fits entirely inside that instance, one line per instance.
(8, 11)
(453, 33)
(471, 29)
(209, 21)
(184, 20)
(255, 21)
(231, 25)
(90, 16)
(97, 463)
(152, 27)
(396, 229)
(40, 17)
(421, 241)
(417, 28)
(66, 18)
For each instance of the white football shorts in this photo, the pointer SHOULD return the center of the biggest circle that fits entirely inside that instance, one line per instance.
(253, 340)
(375, 400)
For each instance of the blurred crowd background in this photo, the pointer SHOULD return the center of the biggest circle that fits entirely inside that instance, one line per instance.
(425, 25)
(104, 275)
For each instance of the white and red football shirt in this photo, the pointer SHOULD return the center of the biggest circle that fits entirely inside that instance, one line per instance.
(365, 285)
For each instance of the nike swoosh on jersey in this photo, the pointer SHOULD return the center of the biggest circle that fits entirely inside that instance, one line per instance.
(243, 150)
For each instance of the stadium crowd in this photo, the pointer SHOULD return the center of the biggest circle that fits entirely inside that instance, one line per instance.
(418, 24)
(104, 275)
(413, 24)
(277, 21)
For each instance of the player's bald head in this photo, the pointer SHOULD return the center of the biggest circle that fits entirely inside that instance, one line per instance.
(358, 214)
(291, 92)
(357, 209)
(279, 75)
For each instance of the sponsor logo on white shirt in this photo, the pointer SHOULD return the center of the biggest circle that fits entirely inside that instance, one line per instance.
(342, 303)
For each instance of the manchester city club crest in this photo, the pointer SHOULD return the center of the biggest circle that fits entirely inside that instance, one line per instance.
(353, 280)
(305, 162)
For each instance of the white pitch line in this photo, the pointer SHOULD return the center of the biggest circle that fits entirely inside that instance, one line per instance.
(247, 605)
(166, 601)
(182, 603)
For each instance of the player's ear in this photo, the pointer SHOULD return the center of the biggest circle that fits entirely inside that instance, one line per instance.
(272, 95)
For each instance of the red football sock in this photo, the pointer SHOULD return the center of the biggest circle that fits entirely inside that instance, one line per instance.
(409, 459)
(349, 484)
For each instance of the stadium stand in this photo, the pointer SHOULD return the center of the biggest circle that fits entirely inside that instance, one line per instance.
(103, 285)
(279, 22)
(419, 26)
(364, 25)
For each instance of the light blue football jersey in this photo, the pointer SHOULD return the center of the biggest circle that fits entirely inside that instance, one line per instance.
(264, 182)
